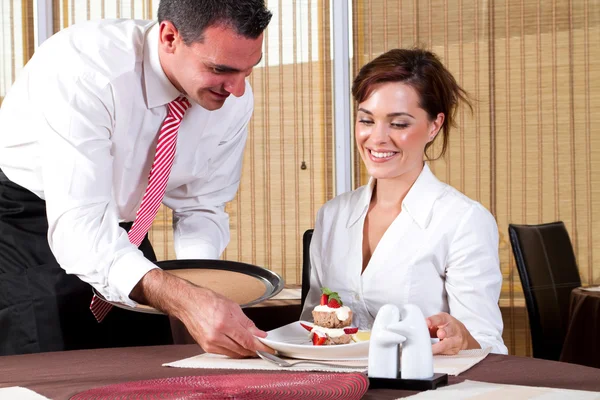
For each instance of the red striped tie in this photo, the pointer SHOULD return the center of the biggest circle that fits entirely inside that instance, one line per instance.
(157, 183)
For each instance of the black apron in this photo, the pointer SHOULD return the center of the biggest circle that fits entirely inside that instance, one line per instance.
(42, 308)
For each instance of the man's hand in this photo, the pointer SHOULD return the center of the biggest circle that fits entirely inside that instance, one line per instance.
(453, 335)
(215, 322)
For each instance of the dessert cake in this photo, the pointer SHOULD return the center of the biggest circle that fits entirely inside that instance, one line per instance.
(332, 320)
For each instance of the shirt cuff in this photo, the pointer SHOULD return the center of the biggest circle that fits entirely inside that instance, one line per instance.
(125, 274)
(497, 347)
(200, 250)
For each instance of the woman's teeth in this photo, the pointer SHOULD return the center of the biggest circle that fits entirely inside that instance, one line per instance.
(382, 155)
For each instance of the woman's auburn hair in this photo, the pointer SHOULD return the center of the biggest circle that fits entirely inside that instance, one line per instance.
(423, 71)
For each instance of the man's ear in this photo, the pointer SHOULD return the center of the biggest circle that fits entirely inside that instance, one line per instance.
(168, 36)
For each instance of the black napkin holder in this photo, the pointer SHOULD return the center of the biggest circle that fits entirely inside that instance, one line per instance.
(437, 380)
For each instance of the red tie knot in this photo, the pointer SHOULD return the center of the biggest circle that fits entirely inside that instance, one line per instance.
(178, 107)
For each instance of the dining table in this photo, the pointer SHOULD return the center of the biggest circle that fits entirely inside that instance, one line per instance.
(61, 375)
(582, 340)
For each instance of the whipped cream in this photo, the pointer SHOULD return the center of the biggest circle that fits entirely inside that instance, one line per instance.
(330, 332)
(341, 313)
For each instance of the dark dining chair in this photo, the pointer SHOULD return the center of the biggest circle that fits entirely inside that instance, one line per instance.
(306, 238)
(548, 271)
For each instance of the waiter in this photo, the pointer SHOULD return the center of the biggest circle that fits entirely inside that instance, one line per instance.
(106, 121)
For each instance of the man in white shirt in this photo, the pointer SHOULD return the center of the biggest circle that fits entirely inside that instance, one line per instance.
(78, 137)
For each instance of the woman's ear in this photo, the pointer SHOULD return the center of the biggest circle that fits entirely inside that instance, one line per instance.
(436, 125)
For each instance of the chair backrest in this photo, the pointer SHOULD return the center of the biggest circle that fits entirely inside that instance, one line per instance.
(548, 271)
(306, 238)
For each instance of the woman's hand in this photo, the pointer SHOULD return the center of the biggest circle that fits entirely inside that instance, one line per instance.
(453, 335)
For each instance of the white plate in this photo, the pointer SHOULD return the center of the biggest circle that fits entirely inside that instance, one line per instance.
(292, 340)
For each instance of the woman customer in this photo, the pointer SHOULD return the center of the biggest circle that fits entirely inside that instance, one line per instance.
(406, 237)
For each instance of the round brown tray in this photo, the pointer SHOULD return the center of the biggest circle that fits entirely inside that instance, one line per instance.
(245, 284)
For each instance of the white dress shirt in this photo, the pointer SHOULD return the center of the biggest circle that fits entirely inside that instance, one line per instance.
(440, 253)
(79, 129)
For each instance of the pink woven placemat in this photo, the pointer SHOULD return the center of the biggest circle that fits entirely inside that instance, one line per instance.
(306, 385)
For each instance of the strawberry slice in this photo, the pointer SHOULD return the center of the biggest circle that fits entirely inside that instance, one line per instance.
(324, 299)
(333, 303)
(307, 327)
(318, 340)
(350, 331)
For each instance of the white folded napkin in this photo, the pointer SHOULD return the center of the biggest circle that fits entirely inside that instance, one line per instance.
(451, 365)
(21, 393)
(459, 363)
(217, 361)
(473, 390)
(591, 288)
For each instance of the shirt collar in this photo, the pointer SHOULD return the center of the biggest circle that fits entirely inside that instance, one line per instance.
(159, 90)
(418, 202)
(422, 195)
(361, 207)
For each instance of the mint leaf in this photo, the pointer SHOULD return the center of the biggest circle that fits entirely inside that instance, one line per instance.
(326, 291)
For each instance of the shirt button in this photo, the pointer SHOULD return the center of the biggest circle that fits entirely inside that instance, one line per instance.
(356, 296)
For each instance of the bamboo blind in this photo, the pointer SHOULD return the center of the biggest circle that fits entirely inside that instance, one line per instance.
(278, 199)
(532, 145)
(68, 12)
(17, 40)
